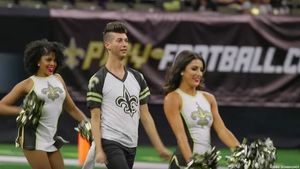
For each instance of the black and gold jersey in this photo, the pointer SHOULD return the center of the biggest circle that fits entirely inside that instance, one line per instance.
(119, 101)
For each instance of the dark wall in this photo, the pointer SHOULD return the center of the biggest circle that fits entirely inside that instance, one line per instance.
(280, 124)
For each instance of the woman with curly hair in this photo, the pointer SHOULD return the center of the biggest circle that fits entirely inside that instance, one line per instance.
(45, 98)
(191, 111)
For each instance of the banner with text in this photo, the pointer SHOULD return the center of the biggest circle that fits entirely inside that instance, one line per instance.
(251, 61)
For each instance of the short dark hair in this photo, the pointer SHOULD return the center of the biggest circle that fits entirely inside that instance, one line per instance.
(115, 27)
(36, 49)
(173, 77)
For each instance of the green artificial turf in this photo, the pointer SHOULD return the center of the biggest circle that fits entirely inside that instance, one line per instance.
(285, 157)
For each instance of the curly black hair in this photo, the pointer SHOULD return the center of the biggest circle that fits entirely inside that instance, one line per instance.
(36, 49)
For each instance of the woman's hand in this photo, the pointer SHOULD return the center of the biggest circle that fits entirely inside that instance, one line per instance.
(165, 154)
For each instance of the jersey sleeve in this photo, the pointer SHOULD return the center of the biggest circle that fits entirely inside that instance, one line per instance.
(145, 92)
(94, 93)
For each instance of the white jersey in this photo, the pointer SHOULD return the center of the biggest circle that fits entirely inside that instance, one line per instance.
(51, 90)
(119, 101)
(197, 119)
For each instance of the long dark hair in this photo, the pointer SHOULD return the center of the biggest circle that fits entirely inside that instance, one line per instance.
(36, 49)
(173, 77)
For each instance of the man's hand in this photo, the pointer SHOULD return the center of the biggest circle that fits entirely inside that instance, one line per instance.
(101, 157)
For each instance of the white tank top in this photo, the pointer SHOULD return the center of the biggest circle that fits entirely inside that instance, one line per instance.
(197, 116)
(51, 90)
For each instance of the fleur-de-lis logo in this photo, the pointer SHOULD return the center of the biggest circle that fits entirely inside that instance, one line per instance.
(72, 52)
(93, 81)
(202, 116)
(128, 102)
(52, 92)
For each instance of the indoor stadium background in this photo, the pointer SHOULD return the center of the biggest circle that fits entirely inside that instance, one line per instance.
(252, 56)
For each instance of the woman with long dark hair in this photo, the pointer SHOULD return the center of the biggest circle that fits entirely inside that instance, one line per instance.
(191, 111)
